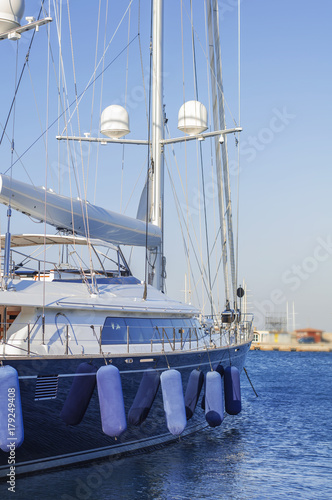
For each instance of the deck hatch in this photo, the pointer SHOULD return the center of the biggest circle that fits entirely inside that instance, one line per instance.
(46, 387)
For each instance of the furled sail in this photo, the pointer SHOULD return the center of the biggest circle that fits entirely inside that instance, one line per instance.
(76, 215)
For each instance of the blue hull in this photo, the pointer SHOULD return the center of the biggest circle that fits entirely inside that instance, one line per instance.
(50, 443)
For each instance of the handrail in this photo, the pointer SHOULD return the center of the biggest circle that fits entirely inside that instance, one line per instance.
(180, 341)
(189, 338)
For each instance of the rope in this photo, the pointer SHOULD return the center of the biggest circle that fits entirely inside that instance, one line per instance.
(245, 371)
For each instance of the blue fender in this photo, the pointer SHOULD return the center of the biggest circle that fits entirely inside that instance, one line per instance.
(144, 398)
(214, 404)
(232, 390)
(217, 367)
(193, 390)
(171, 386)
(11, 418)
(79, 394)
(112, 411)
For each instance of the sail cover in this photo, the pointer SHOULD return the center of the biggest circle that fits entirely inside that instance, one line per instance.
(77, 216)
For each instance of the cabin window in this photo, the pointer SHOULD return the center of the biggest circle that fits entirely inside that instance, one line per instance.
(114, 331)
(139, 330)
(142, 330)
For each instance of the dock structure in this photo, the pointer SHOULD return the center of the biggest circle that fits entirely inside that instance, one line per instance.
(304, 340)
(295, 347)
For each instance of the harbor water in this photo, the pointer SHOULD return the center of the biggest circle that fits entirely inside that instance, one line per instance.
(279, 447)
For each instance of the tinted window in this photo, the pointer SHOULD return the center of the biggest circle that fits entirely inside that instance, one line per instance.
(142, 330)
(114, 331)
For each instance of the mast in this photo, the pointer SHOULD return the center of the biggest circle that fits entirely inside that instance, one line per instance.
(224, 150)
(156, 209)
(223, 231)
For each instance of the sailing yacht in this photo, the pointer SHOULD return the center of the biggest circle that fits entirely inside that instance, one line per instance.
(95, 362)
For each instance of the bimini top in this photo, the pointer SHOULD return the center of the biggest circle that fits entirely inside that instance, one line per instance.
(76, 215)
(30, 240)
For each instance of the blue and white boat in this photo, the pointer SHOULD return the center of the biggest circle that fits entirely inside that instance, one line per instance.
(83, 346)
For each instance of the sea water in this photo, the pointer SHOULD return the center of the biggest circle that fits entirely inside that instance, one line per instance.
(279, 447)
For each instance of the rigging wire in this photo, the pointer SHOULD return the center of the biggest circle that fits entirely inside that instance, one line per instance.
(186, 193)
(39, 117)
(93, 92)
(79, 97)
(179, 213)
(90, 82)
(46, 169)
(188, 216)
(213, 179)
(207, 58)
(221, 115)
(201, 269)
(17, 84)
(141, 59)
(202, 170)
(85, 215)
(137, 181)
(70, 159)
(59, 80)
(8, 236)
(146, 266)
(238, 145)
(223, 233)
(17, 157)
(125, 105)
(101, 99)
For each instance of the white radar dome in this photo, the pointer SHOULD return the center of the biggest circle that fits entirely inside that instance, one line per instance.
(11, 13)
(192, 118)
(114, 122)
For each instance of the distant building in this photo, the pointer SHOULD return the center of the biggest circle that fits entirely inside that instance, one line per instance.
(309, 333)
(266, 337)
(276, 323)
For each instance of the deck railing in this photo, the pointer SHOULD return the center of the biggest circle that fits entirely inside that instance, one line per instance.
(164, 339)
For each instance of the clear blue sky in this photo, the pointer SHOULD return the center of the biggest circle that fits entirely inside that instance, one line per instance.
(285, 200)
